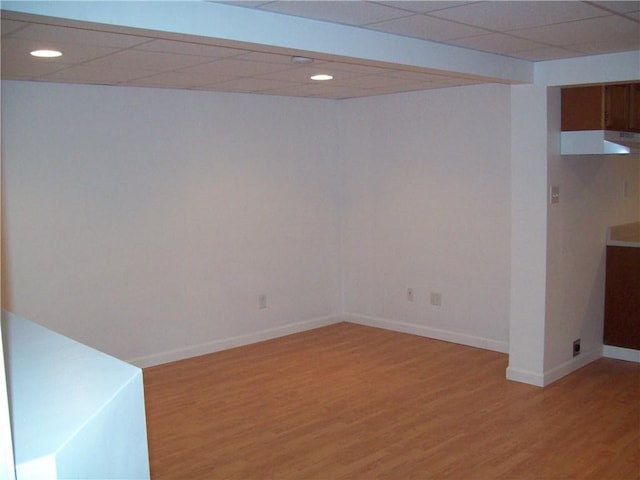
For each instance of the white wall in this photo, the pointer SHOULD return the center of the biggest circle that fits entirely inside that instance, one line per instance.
(428, 207)
(146, 223)
(76, 413)
(528, 233)
(591, 199)
(7, 466)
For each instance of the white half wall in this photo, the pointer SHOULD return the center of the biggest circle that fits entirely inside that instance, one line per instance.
(76, 413)
(146, 222)
(427, 207)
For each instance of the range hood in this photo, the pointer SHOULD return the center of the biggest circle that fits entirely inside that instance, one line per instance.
(599, 142)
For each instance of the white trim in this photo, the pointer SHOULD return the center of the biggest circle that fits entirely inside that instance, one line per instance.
(232, 342)
(571, 366)
(621, 353)
(525, 376)
(548, 377)
(430, 332)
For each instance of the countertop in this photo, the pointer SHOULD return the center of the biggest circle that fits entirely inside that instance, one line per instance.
(626, 235)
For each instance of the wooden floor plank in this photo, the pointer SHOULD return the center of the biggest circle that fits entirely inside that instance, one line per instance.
(354, 402)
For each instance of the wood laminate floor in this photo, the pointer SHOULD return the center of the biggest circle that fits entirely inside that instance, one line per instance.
(354, 402)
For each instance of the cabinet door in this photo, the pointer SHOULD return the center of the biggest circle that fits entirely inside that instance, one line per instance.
(616, 115)
(583, 108)
(622, 297)
(634, 107)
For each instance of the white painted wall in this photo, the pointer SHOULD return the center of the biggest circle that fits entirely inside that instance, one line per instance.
(162, 215)
(591, 199)
(7, 467)
(557, 270)
(428, 207)
(528, 233)
(76, 413)
(146, 223)
(149, 229)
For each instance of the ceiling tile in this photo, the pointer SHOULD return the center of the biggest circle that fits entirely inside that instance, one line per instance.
(504, 16)
(428, 28)
(176, 80)
(29, 68)
(147, 60)
(236, 68)
(201, 76)
(377, 81)
(303, 73)
(351, 13)
(423, 6)
(620, 7)
(10, 26)
(419, 77)
(86, 74)
(613, 28)
(353, 68)
(633, 15)
(189, 48)
(605, 46)
(18, 48)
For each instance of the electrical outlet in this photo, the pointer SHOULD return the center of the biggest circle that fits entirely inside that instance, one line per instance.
(410, 294)
(262, 301)
(436, 299)
(576, 347)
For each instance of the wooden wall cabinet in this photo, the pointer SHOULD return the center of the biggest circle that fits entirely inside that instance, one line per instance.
(601, 107)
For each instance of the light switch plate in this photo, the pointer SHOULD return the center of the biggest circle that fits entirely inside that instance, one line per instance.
(554, 194)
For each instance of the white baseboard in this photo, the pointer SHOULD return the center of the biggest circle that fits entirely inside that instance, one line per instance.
(572, 365)
(525, 376)
(542, 379)
(232, 342)
(430, 332)
(620, 353)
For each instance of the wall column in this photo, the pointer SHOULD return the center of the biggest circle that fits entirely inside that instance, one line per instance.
(528, 233)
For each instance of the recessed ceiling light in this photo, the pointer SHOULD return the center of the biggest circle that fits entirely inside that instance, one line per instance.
(321, 77)
(46, 53)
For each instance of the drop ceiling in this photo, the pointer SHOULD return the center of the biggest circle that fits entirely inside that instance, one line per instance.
(514, 33)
